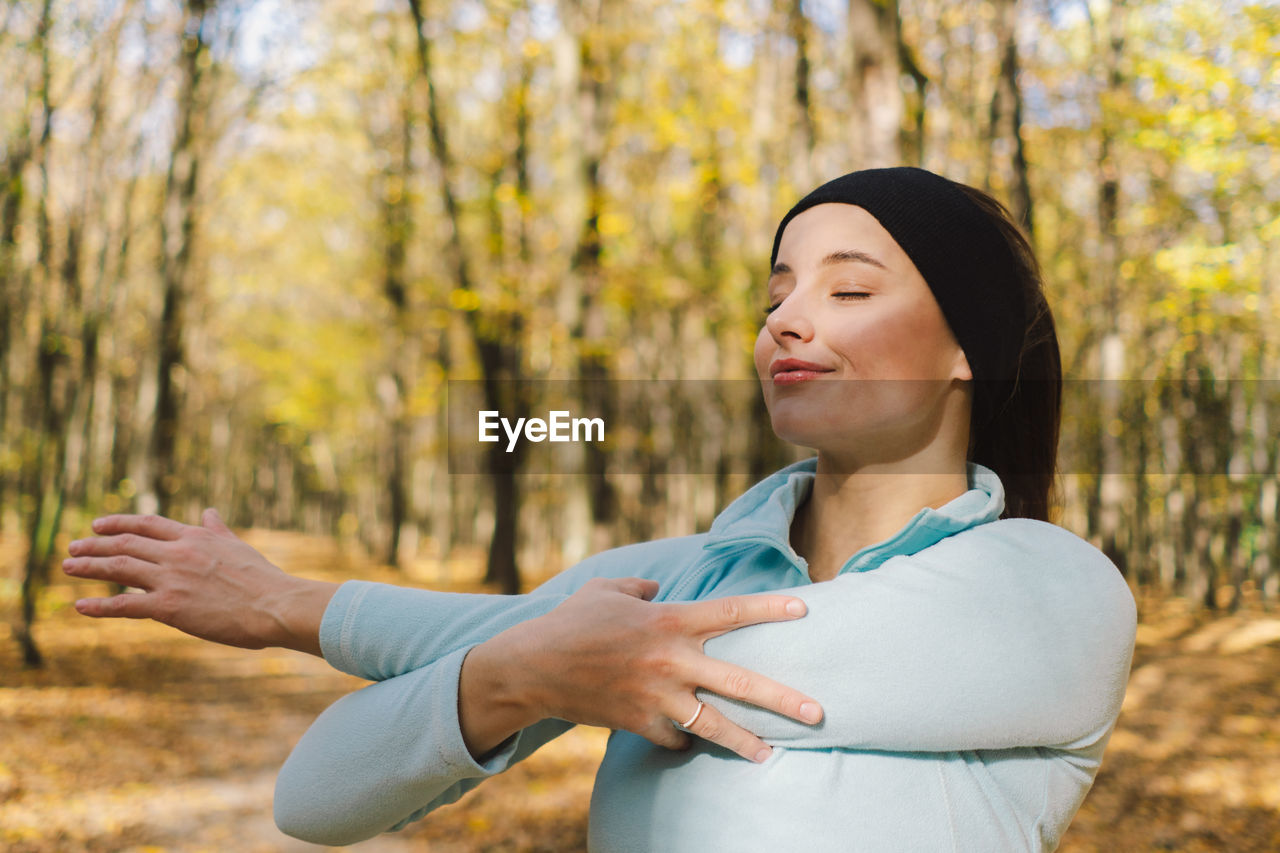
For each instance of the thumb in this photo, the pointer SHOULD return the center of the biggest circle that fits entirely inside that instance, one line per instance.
(641, 588)
(212, 521)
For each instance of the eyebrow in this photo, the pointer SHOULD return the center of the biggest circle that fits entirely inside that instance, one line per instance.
(841, 257)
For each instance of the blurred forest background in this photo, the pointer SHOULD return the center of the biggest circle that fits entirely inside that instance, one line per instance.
(246, 246)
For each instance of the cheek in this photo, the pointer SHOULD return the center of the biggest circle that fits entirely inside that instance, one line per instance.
(763, 352)
(910, 344)
(876, 348)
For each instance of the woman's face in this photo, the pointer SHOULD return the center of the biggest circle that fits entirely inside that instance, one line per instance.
(849, 306)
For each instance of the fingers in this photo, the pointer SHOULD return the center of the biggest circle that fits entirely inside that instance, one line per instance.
(127, 544)
(755, 689)
(708, 724)
(664, 734)
(718, 616)
(121, 569)
(127, 605)
(152, 526)
(713, 726)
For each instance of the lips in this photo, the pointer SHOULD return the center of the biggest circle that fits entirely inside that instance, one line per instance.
(787, 371)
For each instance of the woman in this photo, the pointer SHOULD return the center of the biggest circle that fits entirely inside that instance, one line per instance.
(954, 663)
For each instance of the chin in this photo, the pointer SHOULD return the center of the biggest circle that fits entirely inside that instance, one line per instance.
(813, 430)
(849, 429)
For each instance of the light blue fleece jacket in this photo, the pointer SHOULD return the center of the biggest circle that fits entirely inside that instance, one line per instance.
(970, 669)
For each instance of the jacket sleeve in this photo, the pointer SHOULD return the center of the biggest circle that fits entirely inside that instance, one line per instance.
(379, 631)
(1014, 633)
(391, 752)
(387, 755)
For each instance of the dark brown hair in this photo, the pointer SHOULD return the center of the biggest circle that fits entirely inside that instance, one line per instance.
(1020, 443)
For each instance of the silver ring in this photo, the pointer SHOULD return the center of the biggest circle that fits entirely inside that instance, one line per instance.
(694, 718)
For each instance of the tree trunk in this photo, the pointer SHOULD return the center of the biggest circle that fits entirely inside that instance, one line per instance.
(875, 136)
(41, 422)
(178, 235)
(10, 208)
(498, 360)
(798, 28)
(397, 226)
(916, 139)
(589, 328)
(81, 469)
(1110, 493)
(1265, 421)
(1006, 113)
(45, 424)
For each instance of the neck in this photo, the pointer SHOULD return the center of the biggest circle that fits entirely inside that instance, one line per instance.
(853, 507)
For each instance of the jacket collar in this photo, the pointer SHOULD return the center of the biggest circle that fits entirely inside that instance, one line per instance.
(763, 514)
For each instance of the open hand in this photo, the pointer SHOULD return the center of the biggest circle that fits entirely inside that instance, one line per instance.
(202, 580)
(609, 657)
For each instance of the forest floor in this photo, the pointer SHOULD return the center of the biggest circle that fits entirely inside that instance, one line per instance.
(137, 738)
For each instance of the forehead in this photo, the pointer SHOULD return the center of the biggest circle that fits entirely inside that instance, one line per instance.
(827, 228)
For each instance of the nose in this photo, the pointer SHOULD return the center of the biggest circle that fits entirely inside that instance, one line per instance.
(790, 320)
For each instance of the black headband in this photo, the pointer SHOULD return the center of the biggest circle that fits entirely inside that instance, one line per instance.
(964, 258)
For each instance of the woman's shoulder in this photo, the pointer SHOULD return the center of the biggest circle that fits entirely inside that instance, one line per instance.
(1039, 541)
(1025, 580)
(1035, 558)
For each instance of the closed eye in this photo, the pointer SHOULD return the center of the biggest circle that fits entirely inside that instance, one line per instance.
(842, 294)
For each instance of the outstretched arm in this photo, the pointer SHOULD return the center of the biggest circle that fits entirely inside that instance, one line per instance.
(645, 660)
(1019, 638)
(201, 580)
